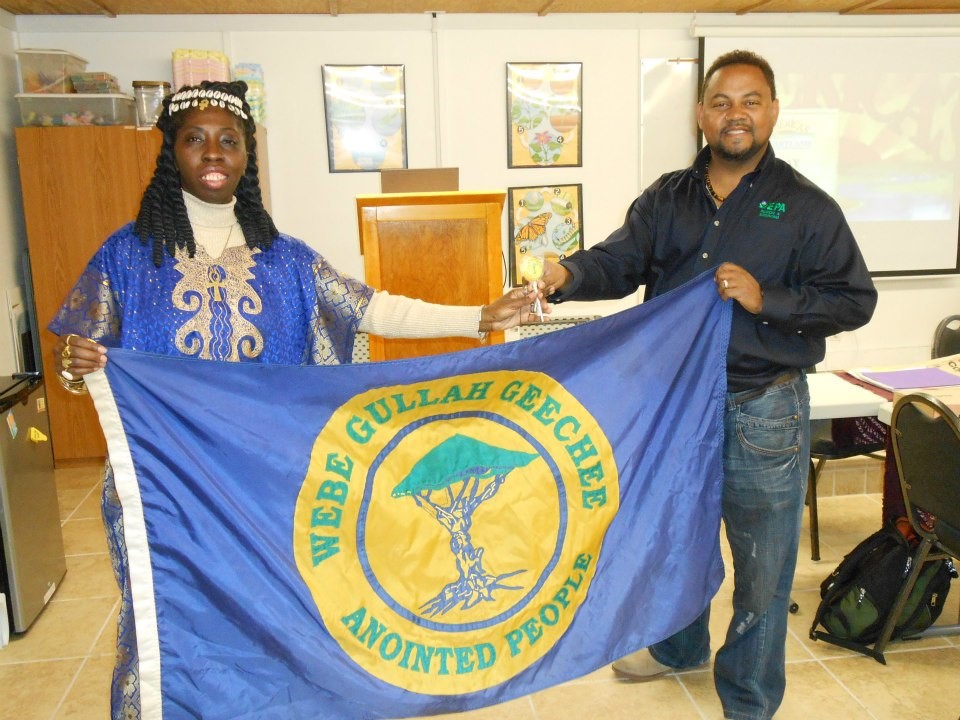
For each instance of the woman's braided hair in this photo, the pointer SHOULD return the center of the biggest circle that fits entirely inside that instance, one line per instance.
(163, 215)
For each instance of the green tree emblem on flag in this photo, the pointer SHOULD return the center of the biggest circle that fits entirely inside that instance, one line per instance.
(450, 482)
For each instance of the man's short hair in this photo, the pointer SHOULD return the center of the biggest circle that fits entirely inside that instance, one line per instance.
(741, 57)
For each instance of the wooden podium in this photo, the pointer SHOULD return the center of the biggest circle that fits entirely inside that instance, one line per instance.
(441, 247)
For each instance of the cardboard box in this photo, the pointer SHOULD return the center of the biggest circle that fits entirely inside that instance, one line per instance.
(950, 363)
(408, 180)
(48, 71)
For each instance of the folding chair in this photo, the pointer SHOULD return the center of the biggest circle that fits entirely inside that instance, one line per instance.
(926, 444)
(946, 338)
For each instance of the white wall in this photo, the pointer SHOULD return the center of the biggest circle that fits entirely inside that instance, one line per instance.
(638, 94)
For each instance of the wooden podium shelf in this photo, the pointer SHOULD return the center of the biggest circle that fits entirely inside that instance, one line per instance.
(440, 247)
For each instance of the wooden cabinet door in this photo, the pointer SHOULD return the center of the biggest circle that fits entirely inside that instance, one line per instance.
(79, 184)
(442, 247)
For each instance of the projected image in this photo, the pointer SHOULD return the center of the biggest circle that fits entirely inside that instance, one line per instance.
(810, 141)
(872, 152)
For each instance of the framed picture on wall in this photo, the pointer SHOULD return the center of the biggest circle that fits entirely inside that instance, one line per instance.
(544, 114)
(546, 222)
(365, 114)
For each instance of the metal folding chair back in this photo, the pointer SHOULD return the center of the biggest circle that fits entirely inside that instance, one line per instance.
(946, 338)
(926, 444)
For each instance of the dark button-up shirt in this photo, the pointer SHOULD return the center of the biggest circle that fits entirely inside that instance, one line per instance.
(784, 230)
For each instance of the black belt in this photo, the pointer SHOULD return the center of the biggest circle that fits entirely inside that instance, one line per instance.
(782, 379)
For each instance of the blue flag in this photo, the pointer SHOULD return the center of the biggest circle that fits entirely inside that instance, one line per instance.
(419, 536)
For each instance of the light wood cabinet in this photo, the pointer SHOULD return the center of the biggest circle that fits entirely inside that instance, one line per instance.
(79, 185)
(441, 247)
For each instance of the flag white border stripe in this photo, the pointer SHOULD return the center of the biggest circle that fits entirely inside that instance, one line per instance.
(138, 549)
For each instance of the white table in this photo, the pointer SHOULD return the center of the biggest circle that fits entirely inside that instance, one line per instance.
(885, 413)
(833, 397)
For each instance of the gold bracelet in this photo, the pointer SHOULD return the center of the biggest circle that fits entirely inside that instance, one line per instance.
(74, 387)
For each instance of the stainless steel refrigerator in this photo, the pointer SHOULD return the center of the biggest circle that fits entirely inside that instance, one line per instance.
(32, 563)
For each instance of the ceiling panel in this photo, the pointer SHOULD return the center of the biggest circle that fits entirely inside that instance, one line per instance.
(542, 7)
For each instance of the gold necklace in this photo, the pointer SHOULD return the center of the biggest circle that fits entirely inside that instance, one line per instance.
(226, 242)
(713, 193)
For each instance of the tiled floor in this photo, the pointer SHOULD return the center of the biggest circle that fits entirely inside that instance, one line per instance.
(60, 668)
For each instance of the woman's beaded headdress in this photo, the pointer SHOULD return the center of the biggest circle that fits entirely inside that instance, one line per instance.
(201, 98)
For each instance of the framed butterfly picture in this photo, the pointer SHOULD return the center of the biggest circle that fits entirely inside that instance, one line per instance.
(543, 114)
(546, 222)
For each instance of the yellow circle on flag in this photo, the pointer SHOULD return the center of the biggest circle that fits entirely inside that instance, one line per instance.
(449, 530)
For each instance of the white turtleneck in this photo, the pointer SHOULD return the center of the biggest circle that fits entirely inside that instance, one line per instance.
(215, 228)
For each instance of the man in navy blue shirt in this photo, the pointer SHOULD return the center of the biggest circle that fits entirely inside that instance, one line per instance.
(783, 252)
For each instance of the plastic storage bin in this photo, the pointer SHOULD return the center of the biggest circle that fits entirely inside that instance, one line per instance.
(76, 109)
(48, 71)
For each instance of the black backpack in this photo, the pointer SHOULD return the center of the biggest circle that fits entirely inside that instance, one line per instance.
(858, 596)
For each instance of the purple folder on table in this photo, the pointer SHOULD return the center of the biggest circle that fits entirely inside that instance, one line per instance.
(910, 378)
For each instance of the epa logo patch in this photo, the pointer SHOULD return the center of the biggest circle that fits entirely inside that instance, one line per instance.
(448, 531)
(772, 210)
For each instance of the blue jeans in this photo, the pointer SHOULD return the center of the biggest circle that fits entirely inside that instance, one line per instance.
(765, 457)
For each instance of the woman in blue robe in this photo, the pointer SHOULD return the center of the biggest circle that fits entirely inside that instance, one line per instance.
(204, 273)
